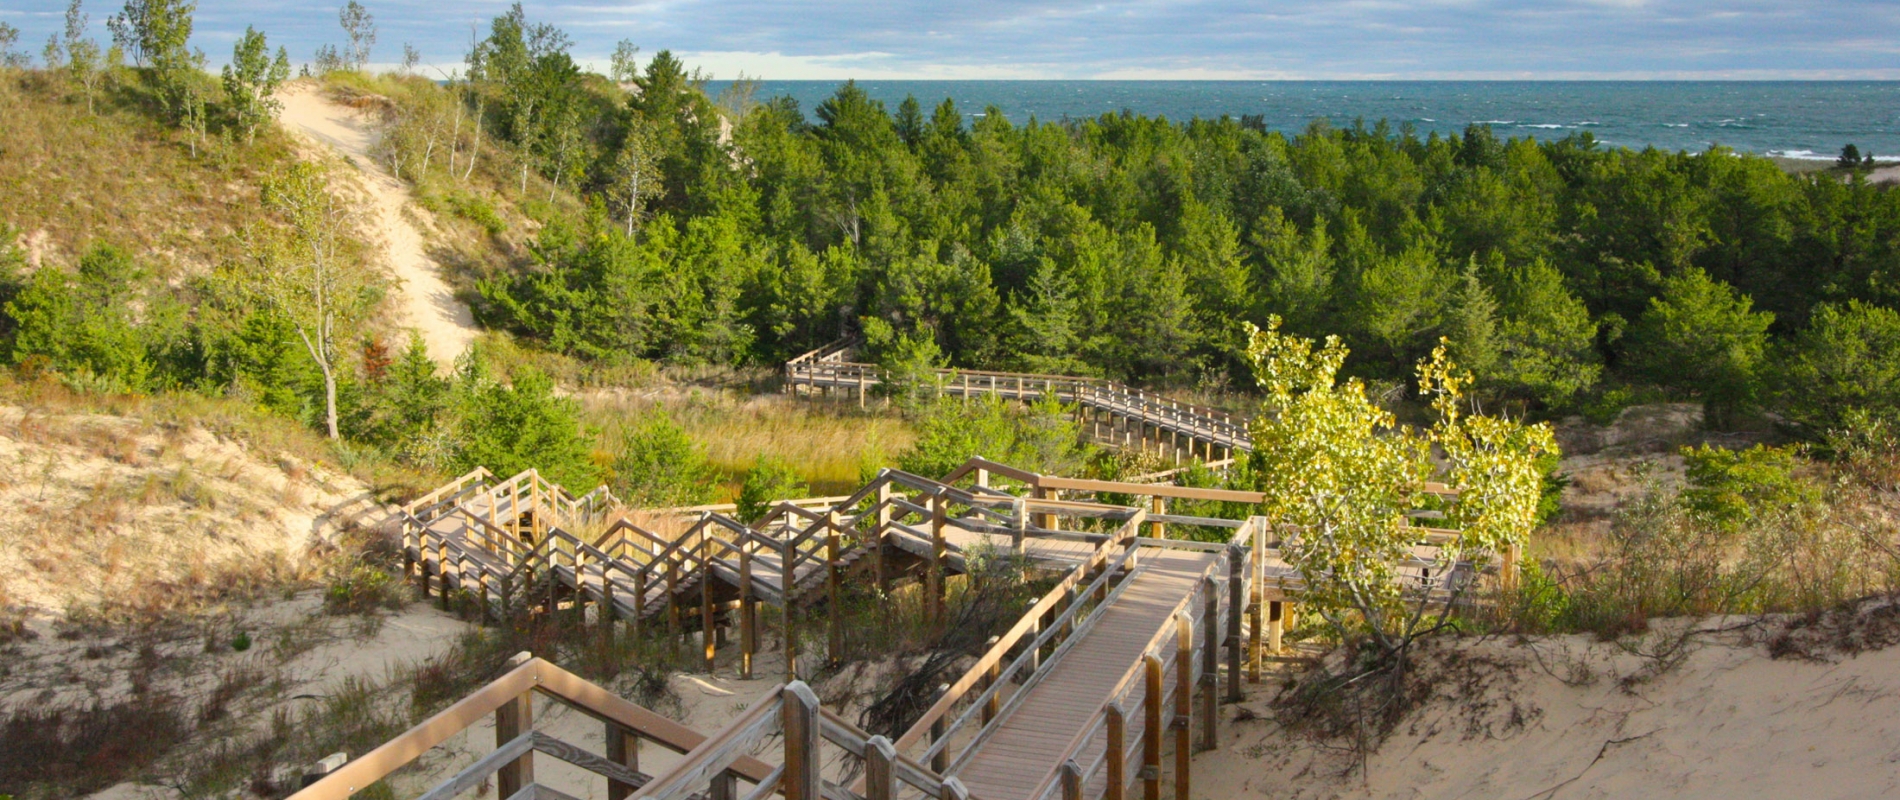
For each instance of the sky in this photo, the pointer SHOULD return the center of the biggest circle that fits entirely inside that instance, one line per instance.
(1117, 39)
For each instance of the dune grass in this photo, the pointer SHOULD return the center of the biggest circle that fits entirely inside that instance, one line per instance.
(123, 175)
(831, 445)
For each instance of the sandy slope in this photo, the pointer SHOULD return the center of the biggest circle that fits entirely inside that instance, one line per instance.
(1728, 722)
(425, 301)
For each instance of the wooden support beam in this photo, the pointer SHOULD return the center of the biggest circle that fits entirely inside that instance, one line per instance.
(707, 642)
(623, 748)
(1276, 611)
(1071, 780)
(1236, 605)
(1210, 662)
(995, 704)
(883, 527)
(748, 613)
(1117, 755)
(834, 589)
(1151, 728)
(1183, 702)
(1157, 528)
(788, 589)
(939, 548)
(940, 761)
(512, 719)
(1261, 530)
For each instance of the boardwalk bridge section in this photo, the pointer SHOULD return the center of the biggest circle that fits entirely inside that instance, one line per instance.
(1118, 665)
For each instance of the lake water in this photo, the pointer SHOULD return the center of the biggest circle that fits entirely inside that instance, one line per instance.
(1801, 119)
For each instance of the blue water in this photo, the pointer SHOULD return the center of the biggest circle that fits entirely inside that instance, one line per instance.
(1803, 119)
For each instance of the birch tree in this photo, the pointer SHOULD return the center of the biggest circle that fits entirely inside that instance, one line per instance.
(302, 271)
(1340, 475)
(251, 81)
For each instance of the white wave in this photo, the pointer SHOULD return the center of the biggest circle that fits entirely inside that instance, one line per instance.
(1675, 124)
(1427, 119)
(1801, 155)
(1549, 126)
(1496, 122)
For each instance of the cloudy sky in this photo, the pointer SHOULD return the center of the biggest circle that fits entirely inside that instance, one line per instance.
(1050, 39)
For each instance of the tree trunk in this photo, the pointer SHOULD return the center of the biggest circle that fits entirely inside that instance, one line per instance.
(329, 400)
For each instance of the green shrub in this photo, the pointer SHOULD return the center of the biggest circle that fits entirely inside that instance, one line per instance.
(1848, 358)
(769, 481)
(364, 589)
(513, 427)
(659, 465)
(1042, 437)
(1730, 488)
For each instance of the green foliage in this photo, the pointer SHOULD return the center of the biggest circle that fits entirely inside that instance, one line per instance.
(510, 427)
(1041, 437)
(1342, 472)
(1731, 488)
(769, 481)
(1703, 338)
(659, 465)
(1847, 359)
(251, 81)
(83, 326)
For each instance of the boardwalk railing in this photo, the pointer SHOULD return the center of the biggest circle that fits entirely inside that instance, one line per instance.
(1116, 413)
(509, 699)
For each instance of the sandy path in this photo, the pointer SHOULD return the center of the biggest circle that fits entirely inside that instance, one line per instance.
(424, 300)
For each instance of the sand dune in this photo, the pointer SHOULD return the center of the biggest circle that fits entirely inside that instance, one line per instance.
(425, 301)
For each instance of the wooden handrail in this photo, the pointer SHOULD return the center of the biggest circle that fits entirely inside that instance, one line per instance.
(533, 674)
(1087, 732)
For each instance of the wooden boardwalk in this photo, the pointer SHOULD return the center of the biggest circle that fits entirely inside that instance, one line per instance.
(1113, 412)
(1024, 746)
(1119, 663)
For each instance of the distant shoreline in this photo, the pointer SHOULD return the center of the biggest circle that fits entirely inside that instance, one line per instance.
(1798, 120)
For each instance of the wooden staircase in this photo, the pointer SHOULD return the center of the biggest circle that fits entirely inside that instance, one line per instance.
(1125, 659)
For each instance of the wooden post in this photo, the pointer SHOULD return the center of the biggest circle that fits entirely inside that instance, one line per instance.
(799, 722)
(880, 781)
(1276, 623)
(983, 478)
(1183, 702)
(1157, 528)
(1210, 661)
(724, 786)
(1151, 728)
(940, 761)
(622, 749)
(995, 704)
(607, 610)
(1236, 604)
(442, 571)
(1257, 606)
(883, 526)
(934, 580)
(834, 581)
(672, 599)
(1117, 756)
(706, 639)
(1019, 528)
(1071, 780)
(748, 613)
(1507, 572)
(862, 389)
(513, 718)
(639, 602)
(787, 590)
(1035, 653)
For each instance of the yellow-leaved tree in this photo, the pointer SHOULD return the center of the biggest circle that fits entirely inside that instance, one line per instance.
(1341, 476)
